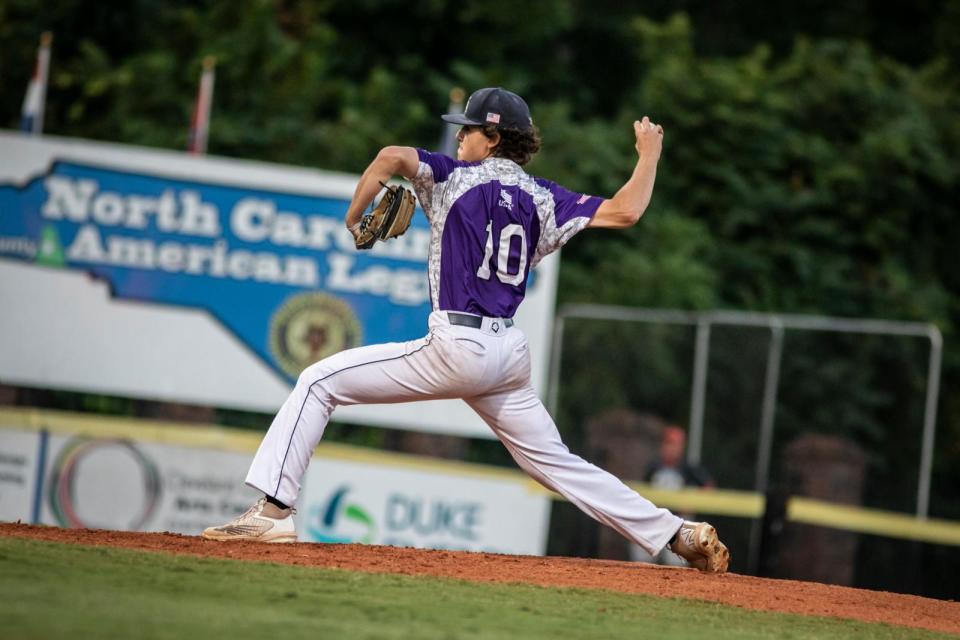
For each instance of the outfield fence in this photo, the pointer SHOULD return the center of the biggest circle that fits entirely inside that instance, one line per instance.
(704, 327)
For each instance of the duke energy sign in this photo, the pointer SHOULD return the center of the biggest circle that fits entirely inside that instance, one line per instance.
(260, 251)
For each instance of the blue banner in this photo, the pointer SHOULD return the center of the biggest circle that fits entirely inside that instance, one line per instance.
(279, 270)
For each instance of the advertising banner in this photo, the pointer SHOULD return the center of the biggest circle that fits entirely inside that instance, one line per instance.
(356, 502)
(121, 484)
(19, 452)
(124, 484)
(155, 274)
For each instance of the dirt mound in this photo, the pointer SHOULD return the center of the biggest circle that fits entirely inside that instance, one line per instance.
(742, 591)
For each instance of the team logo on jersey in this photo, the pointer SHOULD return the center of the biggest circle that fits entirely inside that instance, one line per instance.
(309, 327)
(506, 200)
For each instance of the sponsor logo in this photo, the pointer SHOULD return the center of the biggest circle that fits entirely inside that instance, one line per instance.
(340, 522)
(309, 327)
(78, 486)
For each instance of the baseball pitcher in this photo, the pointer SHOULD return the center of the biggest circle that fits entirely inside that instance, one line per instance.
(491, 223)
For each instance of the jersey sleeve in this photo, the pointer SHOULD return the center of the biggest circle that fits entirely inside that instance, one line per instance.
(431, 178)
(564, 214)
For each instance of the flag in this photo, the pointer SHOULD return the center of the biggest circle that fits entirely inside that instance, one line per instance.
(200, 122)
(31, 115)
(448, 141)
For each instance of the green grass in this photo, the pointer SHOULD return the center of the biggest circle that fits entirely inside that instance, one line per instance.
(50, 590)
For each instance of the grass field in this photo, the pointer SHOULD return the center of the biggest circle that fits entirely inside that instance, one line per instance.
(50, 590)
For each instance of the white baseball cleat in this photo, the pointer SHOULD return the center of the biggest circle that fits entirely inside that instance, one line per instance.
(263, 522)
(698, 544)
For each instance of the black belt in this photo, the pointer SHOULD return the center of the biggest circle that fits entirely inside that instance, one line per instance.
(470, 320)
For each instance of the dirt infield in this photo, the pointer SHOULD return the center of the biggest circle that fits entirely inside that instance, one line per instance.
(742, 591)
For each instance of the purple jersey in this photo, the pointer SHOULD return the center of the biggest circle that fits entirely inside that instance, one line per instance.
(490, 224)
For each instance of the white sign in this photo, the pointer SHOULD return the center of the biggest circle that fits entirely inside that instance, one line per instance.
(18, 473)
(124, 485)
(359, 502)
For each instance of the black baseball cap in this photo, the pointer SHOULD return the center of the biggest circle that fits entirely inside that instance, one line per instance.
(493, 105)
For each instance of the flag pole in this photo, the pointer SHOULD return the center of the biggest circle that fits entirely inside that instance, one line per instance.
(31, 116)
(200, 123)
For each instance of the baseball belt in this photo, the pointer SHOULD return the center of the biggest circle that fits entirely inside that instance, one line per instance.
(470, 320)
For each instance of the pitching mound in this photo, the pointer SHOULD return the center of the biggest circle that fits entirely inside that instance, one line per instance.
(742, 591)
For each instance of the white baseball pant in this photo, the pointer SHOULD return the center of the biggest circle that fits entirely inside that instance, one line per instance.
(489, 368)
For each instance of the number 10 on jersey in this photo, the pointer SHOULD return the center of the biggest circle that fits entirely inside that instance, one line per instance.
(503, 255)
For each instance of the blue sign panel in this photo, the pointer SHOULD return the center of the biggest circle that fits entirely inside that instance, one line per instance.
(279, 270)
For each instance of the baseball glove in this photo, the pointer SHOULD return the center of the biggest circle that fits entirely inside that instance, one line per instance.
(390, 218)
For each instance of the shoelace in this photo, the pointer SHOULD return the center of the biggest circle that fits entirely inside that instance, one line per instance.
(257, 507)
